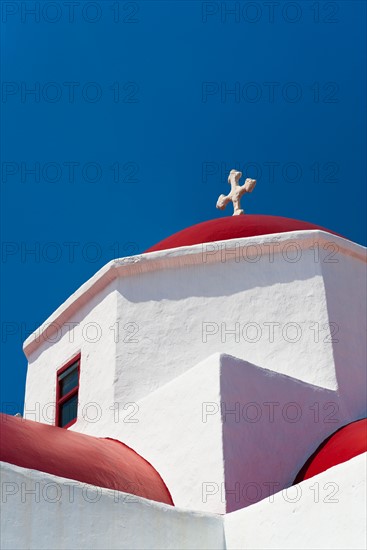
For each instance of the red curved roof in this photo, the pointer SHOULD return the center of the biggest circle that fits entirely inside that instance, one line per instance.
(101, 462)
(344, 444)
(233, 227)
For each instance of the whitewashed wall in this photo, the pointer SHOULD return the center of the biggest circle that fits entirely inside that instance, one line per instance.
(140, 325)
(143, 321)
(176, 311)
(324, 512)
(227, 433)
(41, 511)
(346, 298)
(87, 331)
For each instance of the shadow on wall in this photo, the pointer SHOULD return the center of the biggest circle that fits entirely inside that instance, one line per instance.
(271, 424)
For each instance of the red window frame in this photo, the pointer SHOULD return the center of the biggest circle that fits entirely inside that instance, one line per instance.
(71, 393)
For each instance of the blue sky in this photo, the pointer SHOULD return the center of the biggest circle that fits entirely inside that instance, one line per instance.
(138, 112)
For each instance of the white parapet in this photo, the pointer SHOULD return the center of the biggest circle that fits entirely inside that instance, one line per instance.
(326, 511)
(45, 512)
(42, 511)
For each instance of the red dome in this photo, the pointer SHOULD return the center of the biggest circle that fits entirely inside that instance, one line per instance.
(233, 227)
(344, 444)
(101, 462)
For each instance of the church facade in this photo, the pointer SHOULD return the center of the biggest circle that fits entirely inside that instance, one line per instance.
(209, 393)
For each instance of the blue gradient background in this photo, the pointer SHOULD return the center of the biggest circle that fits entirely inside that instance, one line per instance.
(171, 134)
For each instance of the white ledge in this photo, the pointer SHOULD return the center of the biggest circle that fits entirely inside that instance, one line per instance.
(180, 257)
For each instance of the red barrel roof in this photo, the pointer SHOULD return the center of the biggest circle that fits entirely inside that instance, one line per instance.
(344, 444)
(233, 227)
(101, 462)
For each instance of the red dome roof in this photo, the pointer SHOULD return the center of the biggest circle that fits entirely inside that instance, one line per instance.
(233, 227)
(101, 462)
(344, 444)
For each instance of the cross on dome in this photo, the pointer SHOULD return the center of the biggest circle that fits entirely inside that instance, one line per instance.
(236, 192)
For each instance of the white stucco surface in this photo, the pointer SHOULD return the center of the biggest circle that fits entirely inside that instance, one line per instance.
(171, 433)
(142, 321)
(346, 299)
(87, 332)
(327, 511)
(227, 433)
(187, 313)
(224, 365)
(45, 512)
(41, 511)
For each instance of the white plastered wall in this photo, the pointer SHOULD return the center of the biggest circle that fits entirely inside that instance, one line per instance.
(87, 331)
(327, 511)
(264, 312)
(346, 298)
(168, 296)
(161, 313)
(42, 511)
(226, 433)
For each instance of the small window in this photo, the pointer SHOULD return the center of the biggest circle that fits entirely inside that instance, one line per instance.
(67, 393)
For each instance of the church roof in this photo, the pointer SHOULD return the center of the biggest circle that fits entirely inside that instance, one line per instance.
(342, 445)
(233, 227)
(65, 453)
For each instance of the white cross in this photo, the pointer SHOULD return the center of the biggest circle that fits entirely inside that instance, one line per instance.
(236, 192)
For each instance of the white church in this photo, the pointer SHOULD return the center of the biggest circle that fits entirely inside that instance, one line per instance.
(209, 393)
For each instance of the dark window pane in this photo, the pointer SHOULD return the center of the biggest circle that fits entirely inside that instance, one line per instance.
(69, 369)
(68, 411)
(68, 379)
